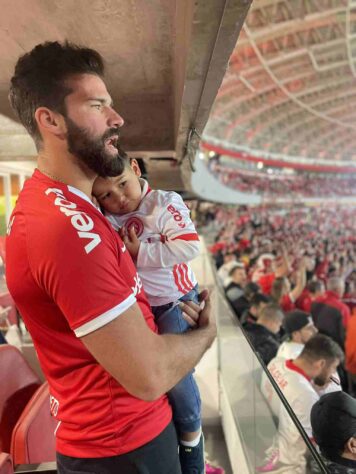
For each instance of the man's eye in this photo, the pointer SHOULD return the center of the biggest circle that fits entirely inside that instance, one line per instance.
(97, 106)
(105, 196)
(121, 185)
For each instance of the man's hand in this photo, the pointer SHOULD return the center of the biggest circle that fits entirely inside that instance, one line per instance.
(131, 241)
(283, 266)
(199, 315)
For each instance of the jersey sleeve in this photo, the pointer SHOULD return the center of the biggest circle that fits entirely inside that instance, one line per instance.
(179, 239)
(84, 273)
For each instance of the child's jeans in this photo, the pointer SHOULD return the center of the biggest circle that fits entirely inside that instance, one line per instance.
(184, 397)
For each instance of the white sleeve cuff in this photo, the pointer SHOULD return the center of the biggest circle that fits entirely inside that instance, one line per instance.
(105, 318)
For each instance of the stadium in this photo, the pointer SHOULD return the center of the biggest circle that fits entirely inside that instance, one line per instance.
(178, 236)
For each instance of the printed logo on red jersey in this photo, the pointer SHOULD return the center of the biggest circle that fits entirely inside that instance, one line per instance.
(136, 223)
(181, 278)
(54, 405)
(177, 216)
(138, 285)
(81, 222)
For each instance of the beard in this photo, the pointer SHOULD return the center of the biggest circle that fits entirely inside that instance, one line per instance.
(91, 153)
(321, 379)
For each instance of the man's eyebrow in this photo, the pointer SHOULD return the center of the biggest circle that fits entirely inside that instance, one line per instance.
(102, 101)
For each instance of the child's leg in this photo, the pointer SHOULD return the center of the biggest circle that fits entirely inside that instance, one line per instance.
(184, 397)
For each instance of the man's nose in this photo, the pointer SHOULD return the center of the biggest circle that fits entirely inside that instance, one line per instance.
(115, 120)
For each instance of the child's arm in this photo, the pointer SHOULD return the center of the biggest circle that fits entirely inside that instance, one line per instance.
(179, 239)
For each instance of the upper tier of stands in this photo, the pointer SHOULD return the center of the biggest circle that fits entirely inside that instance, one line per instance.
(274, 184)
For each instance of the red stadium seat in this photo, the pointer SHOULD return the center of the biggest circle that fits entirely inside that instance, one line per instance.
(33, 440)
(18, 384)
(6, 464)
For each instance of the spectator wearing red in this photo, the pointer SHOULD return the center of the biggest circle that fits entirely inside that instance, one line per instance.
(313, 290)
(350, 347)
(282, 293)
(332, 297)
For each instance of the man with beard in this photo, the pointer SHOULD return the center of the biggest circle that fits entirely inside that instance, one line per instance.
(300, 381)
(76, 286)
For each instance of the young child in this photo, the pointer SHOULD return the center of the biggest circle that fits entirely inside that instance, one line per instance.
(157, 231)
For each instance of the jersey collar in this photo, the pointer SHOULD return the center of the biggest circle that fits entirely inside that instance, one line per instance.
(291, 366)
(145, 188)
(72, 189)
(80, 193)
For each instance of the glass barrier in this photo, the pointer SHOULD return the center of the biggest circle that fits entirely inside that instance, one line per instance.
(272, 438)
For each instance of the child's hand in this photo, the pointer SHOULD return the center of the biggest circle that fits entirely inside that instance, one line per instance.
(131, 241)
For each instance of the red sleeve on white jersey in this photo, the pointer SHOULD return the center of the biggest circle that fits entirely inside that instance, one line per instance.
(90, 288)
(180, 241)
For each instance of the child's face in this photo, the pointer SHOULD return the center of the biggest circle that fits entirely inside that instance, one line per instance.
(120, 194)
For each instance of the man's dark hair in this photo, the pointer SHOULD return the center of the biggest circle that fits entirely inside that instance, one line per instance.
(259, 298)
(333, 420)
(251, 289)
(315, 286)
(40, 75)
(321, 346)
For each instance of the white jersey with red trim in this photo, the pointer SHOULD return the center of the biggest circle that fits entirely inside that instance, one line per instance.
(301, 396)
(168, 241)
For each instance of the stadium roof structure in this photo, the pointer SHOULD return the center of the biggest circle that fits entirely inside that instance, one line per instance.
(290, 90)
(165, 61)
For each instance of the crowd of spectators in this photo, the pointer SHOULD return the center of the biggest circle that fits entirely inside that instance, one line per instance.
(277, 185)
(289, 275)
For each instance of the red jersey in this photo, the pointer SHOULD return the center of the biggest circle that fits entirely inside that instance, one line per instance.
(304, 301)
(286, 303)
(266, 283)
(70, 274)
(350, 346)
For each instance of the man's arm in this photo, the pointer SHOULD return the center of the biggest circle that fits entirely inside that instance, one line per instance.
(146, 364)
(301, 282)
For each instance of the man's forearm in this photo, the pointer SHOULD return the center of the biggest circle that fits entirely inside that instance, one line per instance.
(178, 354)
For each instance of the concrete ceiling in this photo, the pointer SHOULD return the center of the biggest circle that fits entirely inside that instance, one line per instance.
(290, 90)
(165, 62)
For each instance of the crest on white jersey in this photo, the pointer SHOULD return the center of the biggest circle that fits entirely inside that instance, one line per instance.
(136, 223)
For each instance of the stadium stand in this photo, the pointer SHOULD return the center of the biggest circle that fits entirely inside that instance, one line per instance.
(276, 184)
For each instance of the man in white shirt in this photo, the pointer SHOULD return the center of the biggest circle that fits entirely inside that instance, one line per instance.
(299, 329)
(297, 379)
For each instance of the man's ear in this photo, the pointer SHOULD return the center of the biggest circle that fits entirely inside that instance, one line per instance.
(350, 446)
(50, 122)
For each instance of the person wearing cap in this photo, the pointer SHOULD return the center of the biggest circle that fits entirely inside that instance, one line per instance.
(333, 421)
(299, 328)
(298, 380)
